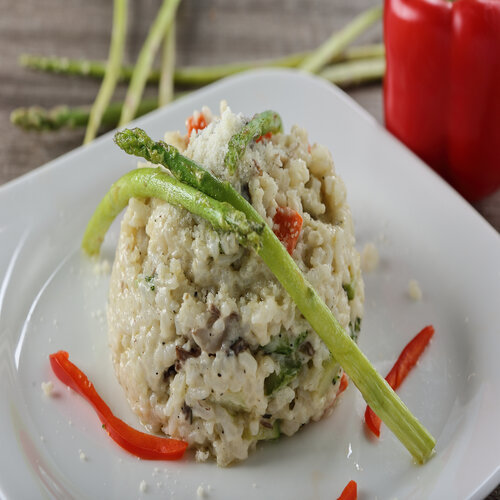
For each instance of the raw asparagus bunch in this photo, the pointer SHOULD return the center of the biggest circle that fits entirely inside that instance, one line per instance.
(190, 175)
(194, 76)
(333, 60)
(344, 74)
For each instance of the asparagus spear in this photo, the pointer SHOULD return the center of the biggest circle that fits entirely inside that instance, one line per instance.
(355, 72)
(188, 76)
(345, 74)
(376, 392)
(144, 64)
(112, 69)
(166, 86)
(156, 183)
(339, 40)
(259, 125)
(41, 119)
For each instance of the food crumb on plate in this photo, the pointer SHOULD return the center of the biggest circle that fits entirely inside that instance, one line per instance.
(202, 455)
(201, 492)
(414, 290)
(102, 267)
(83, 456)
(369, 257)
(47, 388)
(143, 486)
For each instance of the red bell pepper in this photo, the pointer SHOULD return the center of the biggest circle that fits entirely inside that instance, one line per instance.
(287, 224)
(350, 492)
(344, 382)
(138, 443)
(406, 361)
(441, 88)
(195, 122)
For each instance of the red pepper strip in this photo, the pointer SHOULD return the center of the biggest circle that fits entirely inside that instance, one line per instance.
(138, 443)
(406, 361)
(195, 123)
(265, 136)
(350, 492)
(287, 224)
(441, 87)
(344, 382)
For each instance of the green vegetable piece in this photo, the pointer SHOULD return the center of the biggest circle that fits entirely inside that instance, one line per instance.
(339, 40)
(166, 84)
(330, 374)
(355, 72)
(193, 76)
(349, 290)
(41, 119)
(376, 392)
(355, 328)
(153, 182)
(163, 20)
(112, 69)
(284, 351)
(281, 344)
(266, 433)
(259, 125)
(289, 367)
(233, 402)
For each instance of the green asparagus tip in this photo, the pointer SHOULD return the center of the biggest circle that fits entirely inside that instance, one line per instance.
(133, 141)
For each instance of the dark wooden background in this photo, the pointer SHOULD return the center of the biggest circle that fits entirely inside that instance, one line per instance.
(208, 31)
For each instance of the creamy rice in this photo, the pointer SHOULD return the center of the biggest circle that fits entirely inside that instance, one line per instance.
(206, 343)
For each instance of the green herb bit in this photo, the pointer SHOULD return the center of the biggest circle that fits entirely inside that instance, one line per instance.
(155, 183)
(349, 290)
(281, 344)
(261, 124)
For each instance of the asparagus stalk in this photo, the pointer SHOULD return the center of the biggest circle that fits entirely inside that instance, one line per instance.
(192, 76)
(355, 72)
(41, 119)
(156, 183)
(259, 125)
(376, 392)
(344, 74)
(112, 69)
(166, 86)
(339, 40)
(146, 57)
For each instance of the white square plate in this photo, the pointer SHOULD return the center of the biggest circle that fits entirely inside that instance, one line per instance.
(51, 299)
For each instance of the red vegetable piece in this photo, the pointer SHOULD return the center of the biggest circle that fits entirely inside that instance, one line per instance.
(138, 443)
(287, 224)
(344, 382)
(406, 361)
(265, 136)
(350, 492)
(195, 122)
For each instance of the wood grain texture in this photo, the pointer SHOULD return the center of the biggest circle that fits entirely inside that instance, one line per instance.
(209, 31)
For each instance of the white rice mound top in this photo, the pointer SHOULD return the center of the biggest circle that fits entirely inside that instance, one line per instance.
(196, 321)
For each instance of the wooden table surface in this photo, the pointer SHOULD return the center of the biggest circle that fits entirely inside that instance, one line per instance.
(208, 32)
